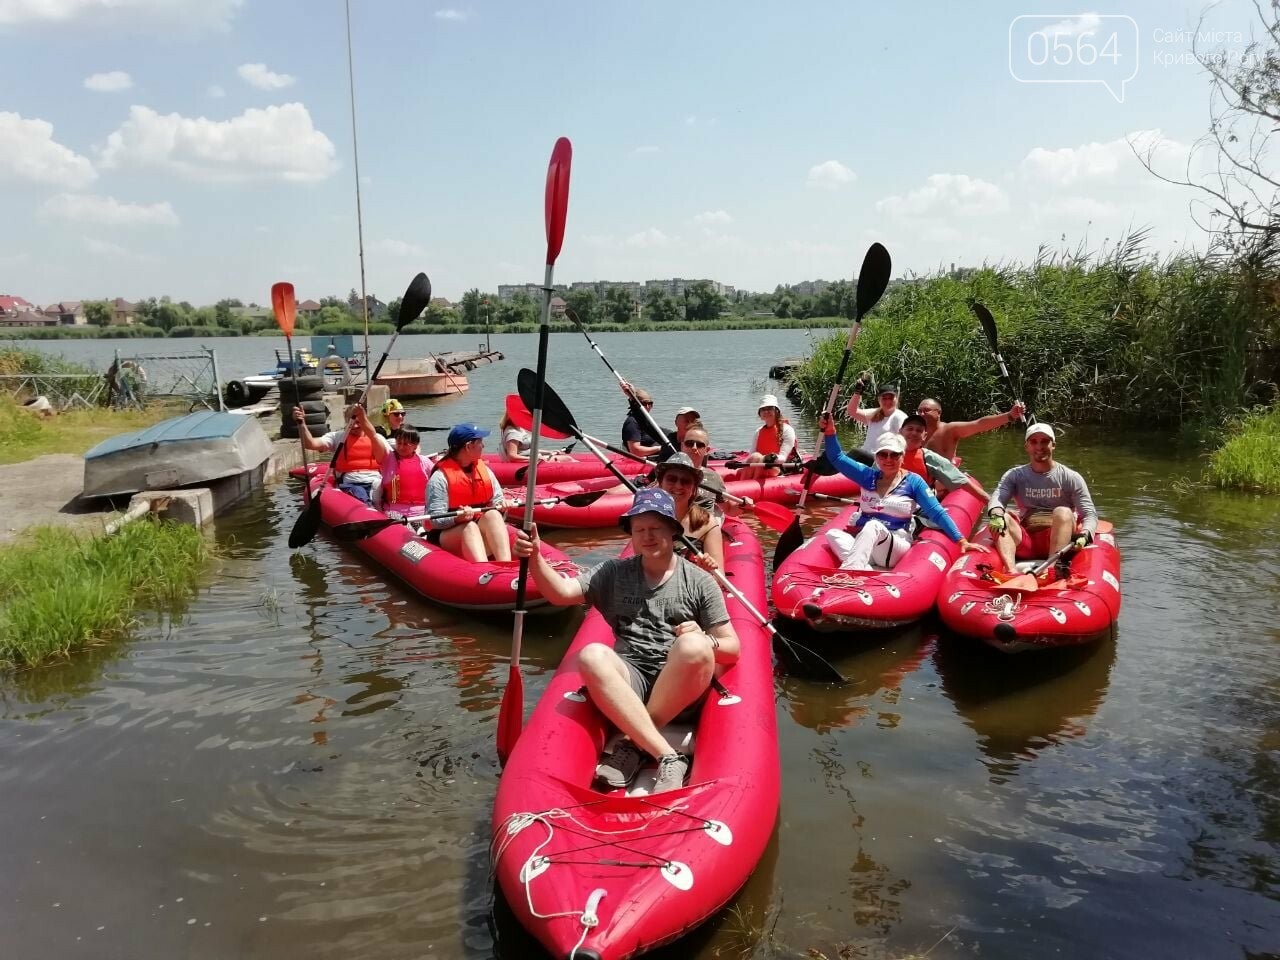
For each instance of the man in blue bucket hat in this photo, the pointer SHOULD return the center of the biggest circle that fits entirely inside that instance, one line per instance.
(670, 628)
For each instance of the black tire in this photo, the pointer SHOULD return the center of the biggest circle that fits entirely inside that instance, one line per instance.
(289, 431)
(308, 407)
(236, 393)
(311, 383)
(288, 396)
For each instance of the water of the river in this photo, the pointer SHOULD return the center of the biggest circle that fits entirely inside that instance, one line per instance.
(301, 761)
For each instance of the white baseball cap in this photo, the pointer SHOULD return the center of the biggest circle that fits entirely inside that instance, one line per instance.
(891, 442)
(1041, 428)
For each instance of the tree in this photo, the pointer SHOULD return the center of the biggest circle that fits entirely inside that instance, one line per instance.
(660, 308)
(519, 309)
(333, 301)
(1240, 198)
(222, 312)
(438, 314)
(583, 303)
(618, 306)
(98, 312)
(702, 303)
(393, 310)
(471, 307)
(783, 310)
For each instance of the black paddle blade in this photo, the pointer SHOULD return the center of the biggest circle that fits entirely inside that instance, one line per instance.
(554, 412)
(788, 543)
(988, 324)
(415, 300)
(584, 499)
(359, 529)
(873, 278)
(308, 522)
(799, 661)
(821, 467)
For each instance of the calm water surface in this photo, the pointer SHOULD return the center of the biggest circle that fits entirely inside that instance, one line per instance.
(300, 762)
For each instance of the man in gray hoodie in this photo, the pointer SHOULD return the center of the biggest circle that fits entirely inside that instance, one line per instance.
(1054, 503)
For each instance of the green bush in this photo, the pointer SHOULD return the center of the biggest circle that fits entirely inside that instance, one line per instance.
(1250, 459)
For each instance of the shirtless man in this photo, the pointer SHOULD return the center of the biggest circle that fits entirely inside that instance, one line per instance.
(945, 437)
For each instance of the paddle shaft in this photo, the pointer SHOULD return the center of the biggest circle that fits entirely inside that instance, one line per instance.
(293, 375)
(658, 432)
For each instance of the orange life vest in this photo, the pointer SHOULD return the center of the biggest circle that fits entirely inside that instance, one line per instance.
(466, 489)
(409, 485)
(913, 460)
(356, 453)
(768, 439)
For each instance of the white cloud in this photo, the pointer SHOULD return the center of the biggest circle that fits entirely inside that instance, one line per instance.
(274, 143)
(831, 175)
(1101, 162)
(647, 239)
(105, 248)
(135, 14)
(397, 248)
(257, 75)
(87, 208)
(709, 217)
(647, 148)
(1076, 208)
(216, 92)
(111, 82)
(690, 120)
(947, 193)
(1078, 26)
(30, 153)
(449, 13)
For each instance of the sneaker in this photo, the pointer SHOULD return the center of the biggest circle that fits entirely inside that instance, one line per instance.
(671, 773)
(620, 767)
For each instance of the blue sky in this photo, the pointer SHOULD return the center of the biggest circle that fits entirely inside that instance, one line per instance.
(202, 148)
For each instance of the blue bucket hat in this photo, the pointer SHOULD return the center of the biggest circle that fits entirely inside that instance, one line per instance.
(465, 433)
(652, 500)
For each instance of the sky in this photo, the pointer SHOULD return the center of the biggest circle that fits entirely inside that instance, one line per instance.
(203, 148)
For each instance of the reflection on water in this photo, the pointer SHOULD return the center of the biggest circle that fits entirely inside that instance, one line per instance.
(1019, 705)
(302, 762)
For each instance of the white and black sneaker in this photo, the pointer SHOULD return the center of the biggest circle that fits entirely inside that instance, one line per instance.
(672, 769)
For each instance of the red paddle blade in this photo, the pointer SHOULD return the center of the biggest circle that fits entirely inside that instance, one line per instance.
(773, 515)
(510, 715)
(523, 419)
(557, 196)
(284, 306)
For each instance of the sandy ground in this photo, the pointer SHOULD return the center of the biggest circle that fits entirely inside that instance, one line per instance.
(45, 491)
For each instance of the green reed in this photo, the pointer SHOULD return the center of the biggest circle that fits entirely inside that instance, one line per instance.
(1250, 459)
(61, 591)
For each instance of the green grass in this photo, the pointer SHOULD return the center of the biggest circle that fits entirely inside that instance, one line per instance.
(61, 592)
(1250, 459)
(24, 436)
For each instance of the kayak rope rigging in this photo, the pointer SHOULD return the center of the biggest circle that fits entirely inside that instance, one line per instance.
(844, 579)
(1003, 607)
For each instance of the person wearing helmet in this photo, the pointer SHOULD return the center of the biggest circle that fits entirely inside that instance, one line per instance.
(393, 415)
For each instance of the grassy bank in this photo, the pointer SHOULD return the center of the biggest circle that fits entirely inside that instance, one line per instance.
(1112, 339)
(84, 333)
(60, 592)
(24, 436)
(1250, 459)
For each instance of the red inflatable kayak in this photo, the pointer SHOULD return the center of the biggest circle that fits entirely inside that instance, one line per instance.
(583, 466)
(811, 587)
(1082, 608)
(608, 876)
(434, 572)
(605, 511)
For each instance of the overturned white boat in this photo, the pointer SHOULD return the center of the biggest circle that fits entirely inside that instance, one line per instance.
(180, 452)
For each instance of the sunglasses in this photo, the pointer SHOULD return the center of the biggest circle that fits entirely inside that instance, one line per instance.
(889, 454)
(396, 413)
(647, 404)
(693, 444)
(683, 479)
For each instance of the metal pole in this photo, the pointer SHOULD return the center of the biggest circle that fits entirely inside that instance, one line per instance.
(217, 379)
(355, 154)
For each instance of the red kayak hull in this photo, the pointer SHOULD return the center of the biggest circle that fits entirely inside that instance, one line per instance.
(435, 573)
(583, 466)
(657, 866)
(810, 587)
(1065, 613)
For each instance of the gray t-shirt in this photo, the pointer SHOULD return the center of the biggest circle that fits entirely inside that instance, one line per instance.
(943, 471)
(642, 617)
(1060, 487)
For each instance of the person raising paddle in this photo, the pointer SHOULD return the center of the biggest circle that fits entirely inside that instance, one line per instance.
(944, 438)
(463, 481)
(359, 463)
(1056, 507)
(881, 419)
(671, 631)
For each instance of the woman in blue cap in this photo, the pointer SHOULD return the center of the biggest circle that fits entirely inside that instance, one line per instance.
(462, 481)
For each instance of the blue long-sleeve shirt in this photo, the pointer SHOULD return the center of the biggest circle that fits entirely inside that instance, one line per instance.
(913, 486)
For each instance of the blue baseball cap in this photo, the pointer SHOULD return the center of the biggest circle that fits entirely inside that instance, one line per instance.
(465, 433)
(652, 500)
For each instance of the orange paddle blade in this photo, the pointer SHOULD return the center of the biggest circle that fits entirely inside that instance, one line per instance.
(284, 306)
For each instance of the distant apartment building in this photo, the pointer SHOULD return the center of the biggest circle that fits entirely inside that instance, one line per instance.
(809, 288)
